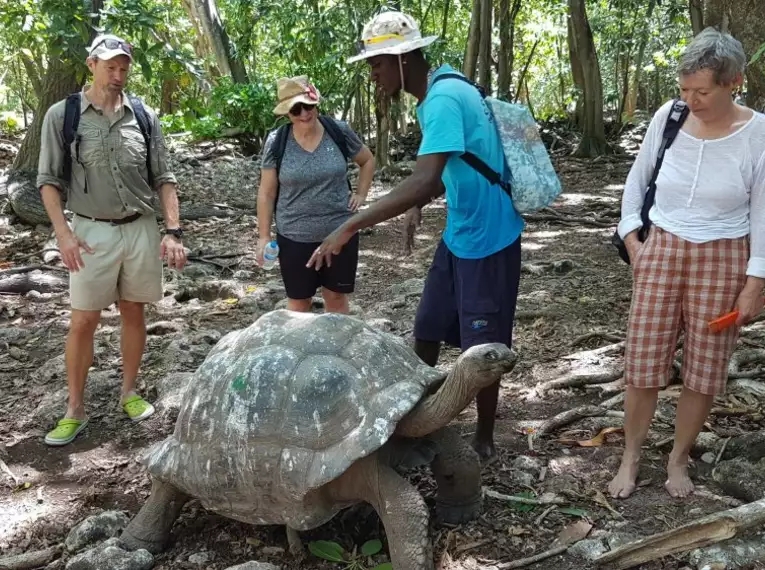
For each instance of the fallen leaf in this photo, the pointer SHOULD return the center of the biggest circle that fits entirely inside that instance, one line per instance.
(231, 301)
(596, 441)
(251, 288)
(516, 531)
(601, 500)
(573, 533)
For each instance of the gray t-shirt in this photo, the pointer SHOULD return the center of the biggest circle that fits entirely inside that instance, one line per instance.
(313, 186)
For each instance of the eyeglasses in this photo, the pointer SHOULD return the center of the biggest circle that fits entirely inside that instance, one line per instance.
(297, 108)
(111, 43)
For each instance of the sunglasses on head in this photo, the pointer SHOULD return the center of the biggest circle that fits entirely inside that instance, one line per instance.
(111, 43)
(297, 108)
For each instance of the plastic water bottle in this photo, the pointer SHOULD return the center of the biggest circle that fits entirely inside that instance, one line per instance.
(270, 255)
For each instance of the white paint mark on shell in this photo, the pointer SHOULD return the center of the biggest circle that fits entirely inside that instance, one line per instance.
(317, 421)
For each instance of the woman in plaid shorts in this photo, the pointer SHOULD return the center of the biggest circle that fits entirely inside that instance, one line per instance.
(704, 256)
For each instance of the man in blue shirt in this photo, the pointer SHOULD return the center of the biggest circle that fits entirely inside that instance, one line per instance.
(472, 286)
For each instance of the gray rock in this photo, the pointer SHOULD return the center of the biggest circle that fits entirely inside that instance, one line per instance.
(111, 555)
(198, 270)
(189, 350)
(200, 558)
(211, 290)
(522, 478)
(741, 479)
(381, 324)
(100, 387)
(95, 528)
(563, 482)
(527, 463)
(733, 553)
(409, 287)
(589, 549)
(243, 275)
(170, 389)
(252, 565)
(709, 458)
(53, 370)
(618, 539)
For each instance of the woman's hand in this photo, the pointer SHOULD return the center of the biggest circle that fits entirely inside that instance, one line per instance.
(356, 201)
(262, 243)
(633, 245)
(750, 302)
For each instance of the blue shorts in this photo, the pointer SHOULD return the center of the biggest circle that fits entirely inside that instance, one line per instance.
(467, 302)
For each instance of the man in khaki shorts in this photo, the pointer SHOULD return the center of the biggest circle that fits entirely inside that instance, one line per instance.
(113, 250)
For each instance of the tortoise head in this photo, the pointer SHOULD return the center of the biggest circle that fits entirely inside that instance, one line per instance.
(484, 364)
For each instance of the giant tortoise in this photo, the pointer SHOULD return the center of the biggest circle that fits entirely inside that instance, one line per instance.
(298, 416)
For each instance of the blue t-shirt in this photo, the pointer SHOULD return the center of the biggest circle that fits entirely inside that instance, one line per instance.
(480, 219)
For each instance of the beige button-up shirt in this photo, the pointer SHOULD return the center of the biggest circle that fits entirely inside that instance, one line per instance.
(109, 174)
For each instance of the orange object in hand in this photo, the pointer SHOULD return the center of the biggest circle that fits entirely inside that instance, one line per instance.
(722, 323)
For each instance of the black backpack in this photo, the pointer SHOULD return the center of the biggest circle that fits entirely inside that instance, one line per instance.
(282, 134)
(675, 121)
(72, 121)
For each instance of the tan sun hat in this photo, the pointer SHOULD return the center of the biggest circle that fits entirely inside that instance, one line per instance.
(391, 33)
(291, 90)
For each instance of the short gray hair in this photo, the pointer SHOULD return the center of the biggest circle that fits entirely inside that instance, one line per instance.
(716, 51)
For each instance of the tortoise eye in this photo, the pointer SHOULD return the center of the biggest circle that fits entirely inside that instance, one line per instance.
(492, 355)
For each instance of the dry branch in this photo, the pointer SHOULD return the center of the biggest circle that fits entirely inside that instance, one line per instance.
(30, 560)
(569, 417)
(523, 500)
(609, 336)
(579, 380)
(697, 534)
(601, 223)
(523, 562)
(29, 268)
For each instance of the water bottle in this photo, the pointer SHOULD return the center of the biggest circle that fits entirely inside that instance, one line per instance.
(270, 255)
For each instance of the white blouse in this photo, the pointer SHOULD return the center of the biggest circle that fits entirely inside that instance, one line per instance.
(706, 189)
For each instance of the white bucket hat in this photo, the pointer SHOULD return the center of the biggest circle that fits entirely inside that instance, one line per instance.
(291, 90)
(390, 33)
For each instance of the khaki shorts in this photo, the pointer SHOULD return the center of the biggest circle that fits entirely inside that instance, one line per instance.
(125, 264)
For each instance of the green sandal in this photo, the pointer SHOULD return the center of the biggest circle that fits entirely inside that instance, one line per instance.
(65, 431)
(137, 408)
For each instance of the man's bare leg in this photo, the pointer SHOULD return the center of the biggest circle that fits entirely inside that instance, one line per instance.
(79, 357)
(299, 305)
(133, 343)
(335, 302)
(692, 411)
(639, 408)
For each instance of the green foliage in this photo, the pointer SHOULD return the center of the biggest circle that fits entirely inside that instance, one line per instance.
(244, 106)
(9, 125)
(334, 552)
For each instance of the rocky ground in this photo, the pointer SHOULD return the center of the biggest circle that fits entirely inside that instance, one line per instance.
(573, 305)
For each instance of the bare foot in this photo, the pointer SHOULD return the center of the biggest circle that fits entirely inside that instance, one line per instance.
(484, 449)
(678, 484)
(623, 485)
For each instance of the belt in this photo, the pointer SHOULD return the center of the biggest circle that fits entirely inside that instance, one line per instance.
(114, 222)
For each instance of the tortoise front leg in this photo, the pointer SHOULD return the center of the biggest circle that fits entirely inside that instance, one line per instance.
(400, 506)
(151, 527)
(457, 470)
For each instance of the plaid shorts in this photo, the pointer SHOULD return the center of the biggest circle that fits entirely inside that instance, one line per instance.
(679, 285)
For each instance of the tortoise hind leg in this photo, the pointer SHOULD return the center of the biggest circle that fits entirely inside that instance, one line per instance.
(457, 470)
(150, 528)
(400, 506)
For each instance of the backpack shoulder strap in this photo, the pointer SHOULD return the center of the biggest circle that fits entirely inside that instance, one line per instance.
(462, 78)
(142, 118)
(71, 122)
(280, 143)
(336, 134)
(675, 120)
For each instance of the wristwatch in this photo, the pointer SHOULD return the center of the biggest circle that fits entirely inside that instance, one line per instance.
(175, 232)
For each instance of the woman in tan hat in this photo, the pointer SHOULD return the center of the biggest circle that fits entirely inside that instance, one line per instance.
(304, 183)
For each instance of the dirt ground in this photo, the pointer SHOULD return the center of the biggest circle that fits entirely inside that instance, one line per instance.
(574, 300)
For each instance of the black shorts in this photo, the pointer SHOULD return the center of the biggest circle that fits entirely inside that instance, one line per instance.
(301, 282)
(467, 302)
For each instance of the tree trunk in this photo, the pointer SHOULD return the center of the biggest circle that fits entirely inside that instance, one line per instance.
(593, 141)
(696, 8)
(382, 114)
(445, 22)
(169, 102)
(577, 74)
(747, 24)
(206, 12)
(507, 17)
(637, 76)
(716, 14)
(484, 49)
(473, 43)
